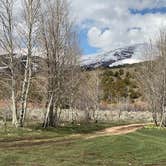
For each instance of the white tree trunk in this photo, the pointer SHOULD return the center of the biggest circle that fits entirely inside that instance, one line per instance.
(46, 119)
(14, 108)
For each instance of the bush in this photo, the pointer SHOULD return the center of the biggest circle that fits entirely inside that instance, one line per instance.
(121, 71)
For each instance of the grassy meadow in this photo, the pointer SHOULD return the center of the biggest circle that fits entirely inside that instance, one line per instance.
(55, 147)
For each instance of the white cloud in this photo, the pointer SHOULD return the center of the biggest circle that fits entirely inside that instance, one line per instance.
(120, 26)
(99, 39)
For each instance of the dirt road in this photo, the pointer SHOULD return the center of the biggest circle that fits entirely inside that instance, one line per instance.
(118, 130)
(28, 142)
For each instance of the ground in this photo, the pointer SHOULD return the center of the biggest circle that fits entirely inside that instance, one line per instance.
(80, 145)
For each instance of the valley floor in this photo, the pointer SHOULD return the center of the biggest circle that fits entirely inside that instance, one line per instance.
(98, 144)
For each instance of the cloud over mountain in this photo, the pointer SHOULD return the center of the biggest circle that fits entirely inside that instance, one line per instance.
(111, 24)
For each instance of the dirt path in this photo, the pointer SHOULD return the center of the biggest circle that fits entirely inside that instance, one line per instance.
(118, 130)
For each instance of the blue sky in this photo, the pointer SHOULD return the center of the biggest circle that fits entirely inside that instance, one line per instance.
(84, 43)
(147, 11)
(108, 24)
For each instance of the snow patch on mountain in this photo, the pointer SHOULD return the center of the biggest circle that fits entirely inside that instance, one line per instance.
(126, 61)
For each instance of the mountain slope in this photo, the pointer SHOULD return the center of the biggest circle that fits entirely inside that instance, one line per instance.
(121, 56)
(127, 55)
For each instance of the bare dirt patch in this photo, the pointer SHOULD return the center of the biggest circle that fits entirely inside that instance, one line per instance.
(118, 130)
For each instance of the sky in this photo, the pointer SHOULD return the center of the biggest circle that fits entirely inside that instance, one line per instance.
(109, 24)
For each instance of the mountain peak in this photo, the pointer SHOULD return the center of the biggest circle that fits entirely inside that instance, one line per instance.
(126, 55)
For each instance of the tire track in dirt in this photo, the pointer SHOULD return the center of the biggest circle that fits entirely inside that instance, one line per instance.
(29, 142)
(118, 130)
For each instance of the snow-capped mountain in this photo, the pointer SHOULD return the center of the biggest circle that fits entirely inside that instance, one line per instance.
(127, 55)
(121, 56)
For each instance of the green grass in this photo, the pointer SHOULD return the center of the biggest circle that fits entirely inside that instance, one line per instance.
(36, 131)
(78, 128)
(144, 147)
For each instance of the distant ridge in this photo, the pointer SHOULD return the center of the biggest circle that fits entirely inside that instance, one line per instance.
(121, 56)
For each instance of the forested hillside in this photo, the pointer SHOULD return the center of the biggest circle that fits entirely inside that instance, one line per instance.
(120, 83)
